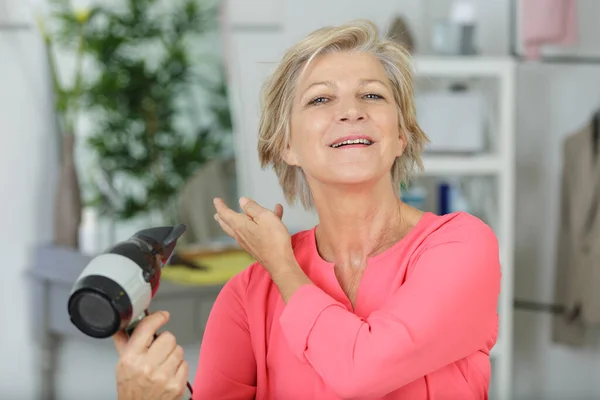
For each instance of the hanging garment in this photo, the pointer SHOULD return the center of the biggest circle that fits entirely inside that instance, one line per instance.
(546, 22)
(577, 279)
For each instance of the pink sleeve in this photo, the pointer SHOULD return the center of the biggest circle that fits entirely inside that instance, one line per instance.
(445, 311)
(227, 367)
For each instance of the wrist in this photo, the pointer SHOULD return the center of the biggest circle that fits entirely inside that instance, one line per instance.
(288, 271)
(284, 264)
(289, 278)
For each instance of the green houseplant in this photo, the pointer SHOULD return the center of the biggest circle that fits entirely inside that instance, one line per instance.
(137, 78)
(150, 133)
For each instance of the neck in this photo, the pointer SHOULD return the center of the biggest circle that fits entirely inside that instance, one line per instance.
(357, 223)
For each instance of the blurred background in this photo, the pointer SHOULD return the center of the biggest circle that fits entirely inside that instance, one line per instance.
(124, 114)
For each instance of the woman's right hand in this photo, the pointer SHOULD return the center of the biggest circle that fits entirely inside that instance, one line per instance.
(150, 369)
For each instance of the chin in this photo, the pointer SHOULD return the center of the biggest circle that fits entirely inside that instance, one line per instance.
(367, 172)
(353, 176)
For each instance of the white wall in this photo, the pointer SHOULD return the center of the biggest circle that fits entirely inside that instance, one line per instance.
(553, 100)
(26, 178)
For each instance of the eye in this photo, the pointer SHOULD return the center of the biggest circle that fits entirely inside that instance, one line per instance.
(373, 96)
(318, 100)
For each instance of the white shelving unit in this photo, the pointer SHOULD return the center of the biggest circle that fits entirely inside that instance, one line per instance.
(500, 163)
(448, 165)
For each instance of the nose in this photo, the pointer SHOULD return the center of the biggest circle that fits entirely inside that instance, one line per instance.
(351, 111)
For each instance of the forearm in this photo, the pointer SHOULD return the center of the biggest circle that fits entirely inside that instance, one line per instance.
(445, 311)
(372, 357)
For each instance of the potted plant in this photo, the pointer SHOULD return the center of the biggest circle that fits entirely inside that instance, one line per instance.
(150, 133)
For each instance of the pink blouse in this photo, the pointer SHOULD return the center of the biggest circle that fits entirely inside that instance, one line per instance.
(423, 326)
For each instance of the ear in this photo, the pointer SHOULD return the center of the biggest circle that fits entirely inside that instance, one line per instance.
(402, 141)
(289, 156)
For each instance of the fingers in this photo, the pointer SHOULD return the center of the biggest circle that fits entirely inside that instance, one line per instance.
(149, 369)
(228, 216)
(231, 221)
(162, 347)
(173, 360)
(278, 210)
(226, 228)
(181, 376)
(251, 208)
(120, 339)
(178, 375)
(143, 335)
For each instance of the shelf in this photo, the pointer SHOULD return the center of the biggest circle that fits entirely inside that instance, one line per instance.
(461, 165)
(475, 66)
(14, 26)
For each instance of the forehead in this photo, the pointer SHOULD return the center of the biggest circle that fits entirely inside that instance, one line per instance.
(342, 67)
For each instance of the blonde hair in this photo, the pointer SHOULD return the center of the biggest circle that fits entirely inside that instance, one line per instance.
(279, 90)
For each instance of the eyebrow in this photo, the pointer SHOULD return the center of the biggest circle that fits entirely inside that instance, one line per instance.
(320, 83)
(367, 81)
(363, 82)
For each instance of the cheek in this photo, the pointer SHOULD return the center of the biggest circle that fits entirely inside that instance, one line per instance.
(298, 143)
(308, 131)
(314, 124)
(391, 125)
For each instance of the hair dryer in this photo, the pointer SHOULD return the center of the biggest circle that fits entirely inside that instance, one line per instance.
(114, 290)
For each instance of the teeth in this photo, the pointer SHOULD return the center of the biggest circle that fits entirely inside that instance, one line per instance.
(354, 141)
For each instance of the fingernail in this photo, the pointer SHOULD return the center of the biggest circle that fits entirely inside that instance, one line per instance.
(165, 314)
(216, 217)
(243, 201)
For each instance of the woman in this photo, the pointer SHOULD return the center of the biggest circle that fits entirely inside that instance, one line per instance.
(380, 300)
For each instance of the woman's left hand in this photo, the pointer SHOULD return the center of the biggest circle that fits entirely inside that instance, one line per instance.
(259, 231)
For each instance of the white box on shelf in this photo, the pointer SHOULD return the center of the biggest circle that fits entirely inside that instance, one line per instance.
(454, 121)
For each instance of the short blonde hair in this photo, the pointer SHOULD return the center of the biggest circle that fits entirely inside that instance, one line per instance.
(279, 90)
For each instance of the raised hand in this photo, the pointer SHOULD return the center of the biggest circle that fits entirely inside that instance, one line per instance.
(259, 231)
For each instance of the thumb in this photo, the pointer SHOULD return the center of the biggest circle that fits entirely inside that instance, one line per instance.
(278, 210)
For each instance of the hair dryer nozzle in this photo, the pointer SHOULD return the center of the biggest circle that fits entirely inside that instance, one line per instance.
(162, 239)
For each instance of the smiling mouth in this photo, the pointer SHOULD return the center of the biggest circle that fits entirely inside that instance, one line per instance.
(352, 142)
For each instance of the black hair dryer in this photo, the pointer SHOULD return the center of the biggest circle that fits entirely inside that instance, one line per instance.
(115, 289)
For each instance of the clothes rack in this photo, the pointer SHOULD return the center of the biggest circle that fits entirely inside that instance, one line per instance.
(538, 307)
(521, 304)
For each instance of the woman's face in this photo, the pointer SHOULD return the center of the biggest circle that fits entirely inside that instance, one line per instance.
(344, 124)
